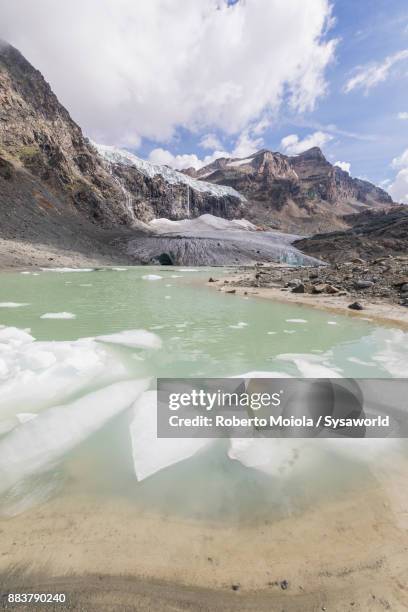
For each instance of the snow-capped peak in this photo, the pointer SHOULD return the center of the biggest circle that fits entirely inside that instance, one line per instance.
(173, 177)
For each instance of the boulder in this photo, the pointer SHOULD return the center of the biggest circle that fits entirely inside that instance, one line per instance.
(319, 288)
(331, 289)
(355, 306)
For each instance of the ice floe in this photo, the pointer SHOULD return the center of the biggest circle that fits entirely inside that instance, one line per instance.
(296, 321)
(58, 315)
(150, 453)
(39, 443)
(361, 362)
(151, 277)
(12, 304)
(37, 374)
(135, 338)
(239, 325)
(62, 270)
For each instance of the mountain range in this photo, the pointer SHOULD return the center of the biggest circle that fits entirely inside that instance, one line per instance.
(56, 186)
(301, 193)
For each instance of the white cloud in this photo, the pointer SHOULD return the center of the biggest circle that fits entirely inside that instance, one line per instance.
(210, 141)
(179, 162)
(292, 145)
(403, 116)
(245, 145)
(399, 188)
(128, 69)
(401, 161)
(345, 166)
(371, 75)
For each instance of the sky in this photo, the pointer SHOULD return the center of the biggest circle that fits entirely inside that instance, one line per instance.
(183, 83)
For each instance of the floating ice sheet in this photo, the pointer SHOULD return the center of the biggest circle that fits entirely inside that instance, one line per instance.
(39, 443)
(58, 315)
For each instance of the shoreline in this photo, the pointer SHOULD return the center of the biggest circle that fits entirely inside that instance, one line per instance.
(380, 311)
(104, 551)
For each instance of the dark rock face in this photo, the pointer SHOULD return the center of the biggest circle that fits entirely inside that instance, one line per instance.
(37, 135)
(303, 193)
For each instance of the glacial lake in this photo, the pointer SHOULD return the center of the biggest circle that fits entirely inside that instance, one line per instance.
(56, 440)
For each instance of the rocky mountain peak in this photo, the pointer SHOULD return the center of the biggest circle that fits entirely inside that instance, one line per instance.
(298, 193)
(314, 153)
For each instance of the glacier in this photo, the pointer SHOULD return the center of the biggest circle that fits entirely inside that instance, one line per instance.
(114, 155)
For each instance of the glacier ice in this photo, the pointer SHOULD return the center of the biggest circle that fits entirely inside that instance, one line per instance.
(173, 177)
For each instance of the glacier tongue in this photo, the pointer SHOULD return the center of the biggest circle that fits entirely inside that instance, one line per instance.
(173, 177)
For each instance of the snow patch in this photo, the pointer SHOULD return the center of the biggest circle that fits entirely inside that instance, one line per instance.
(239, 162)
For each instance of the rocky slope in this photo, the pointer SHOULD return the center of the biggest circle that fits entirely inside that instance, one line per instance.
(54, 181)
(374, 233)
(383, 280)
(303, 193)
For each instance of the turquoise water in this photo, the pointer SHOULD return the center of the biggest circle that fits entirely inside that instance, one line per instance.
(46, 452)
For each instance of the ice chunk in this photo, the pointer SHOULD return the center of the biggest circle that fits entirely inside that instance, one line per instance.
(14, 336)
(41, 442)
(361, 362)
(239, 325)
(40, 374)
(296, 321)
(24, 417)
(135, 338)
(150, 453)
(278, 457)
(58, 315)
(393, 357)
(151, 277)
(62, 270)
(12, 305)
